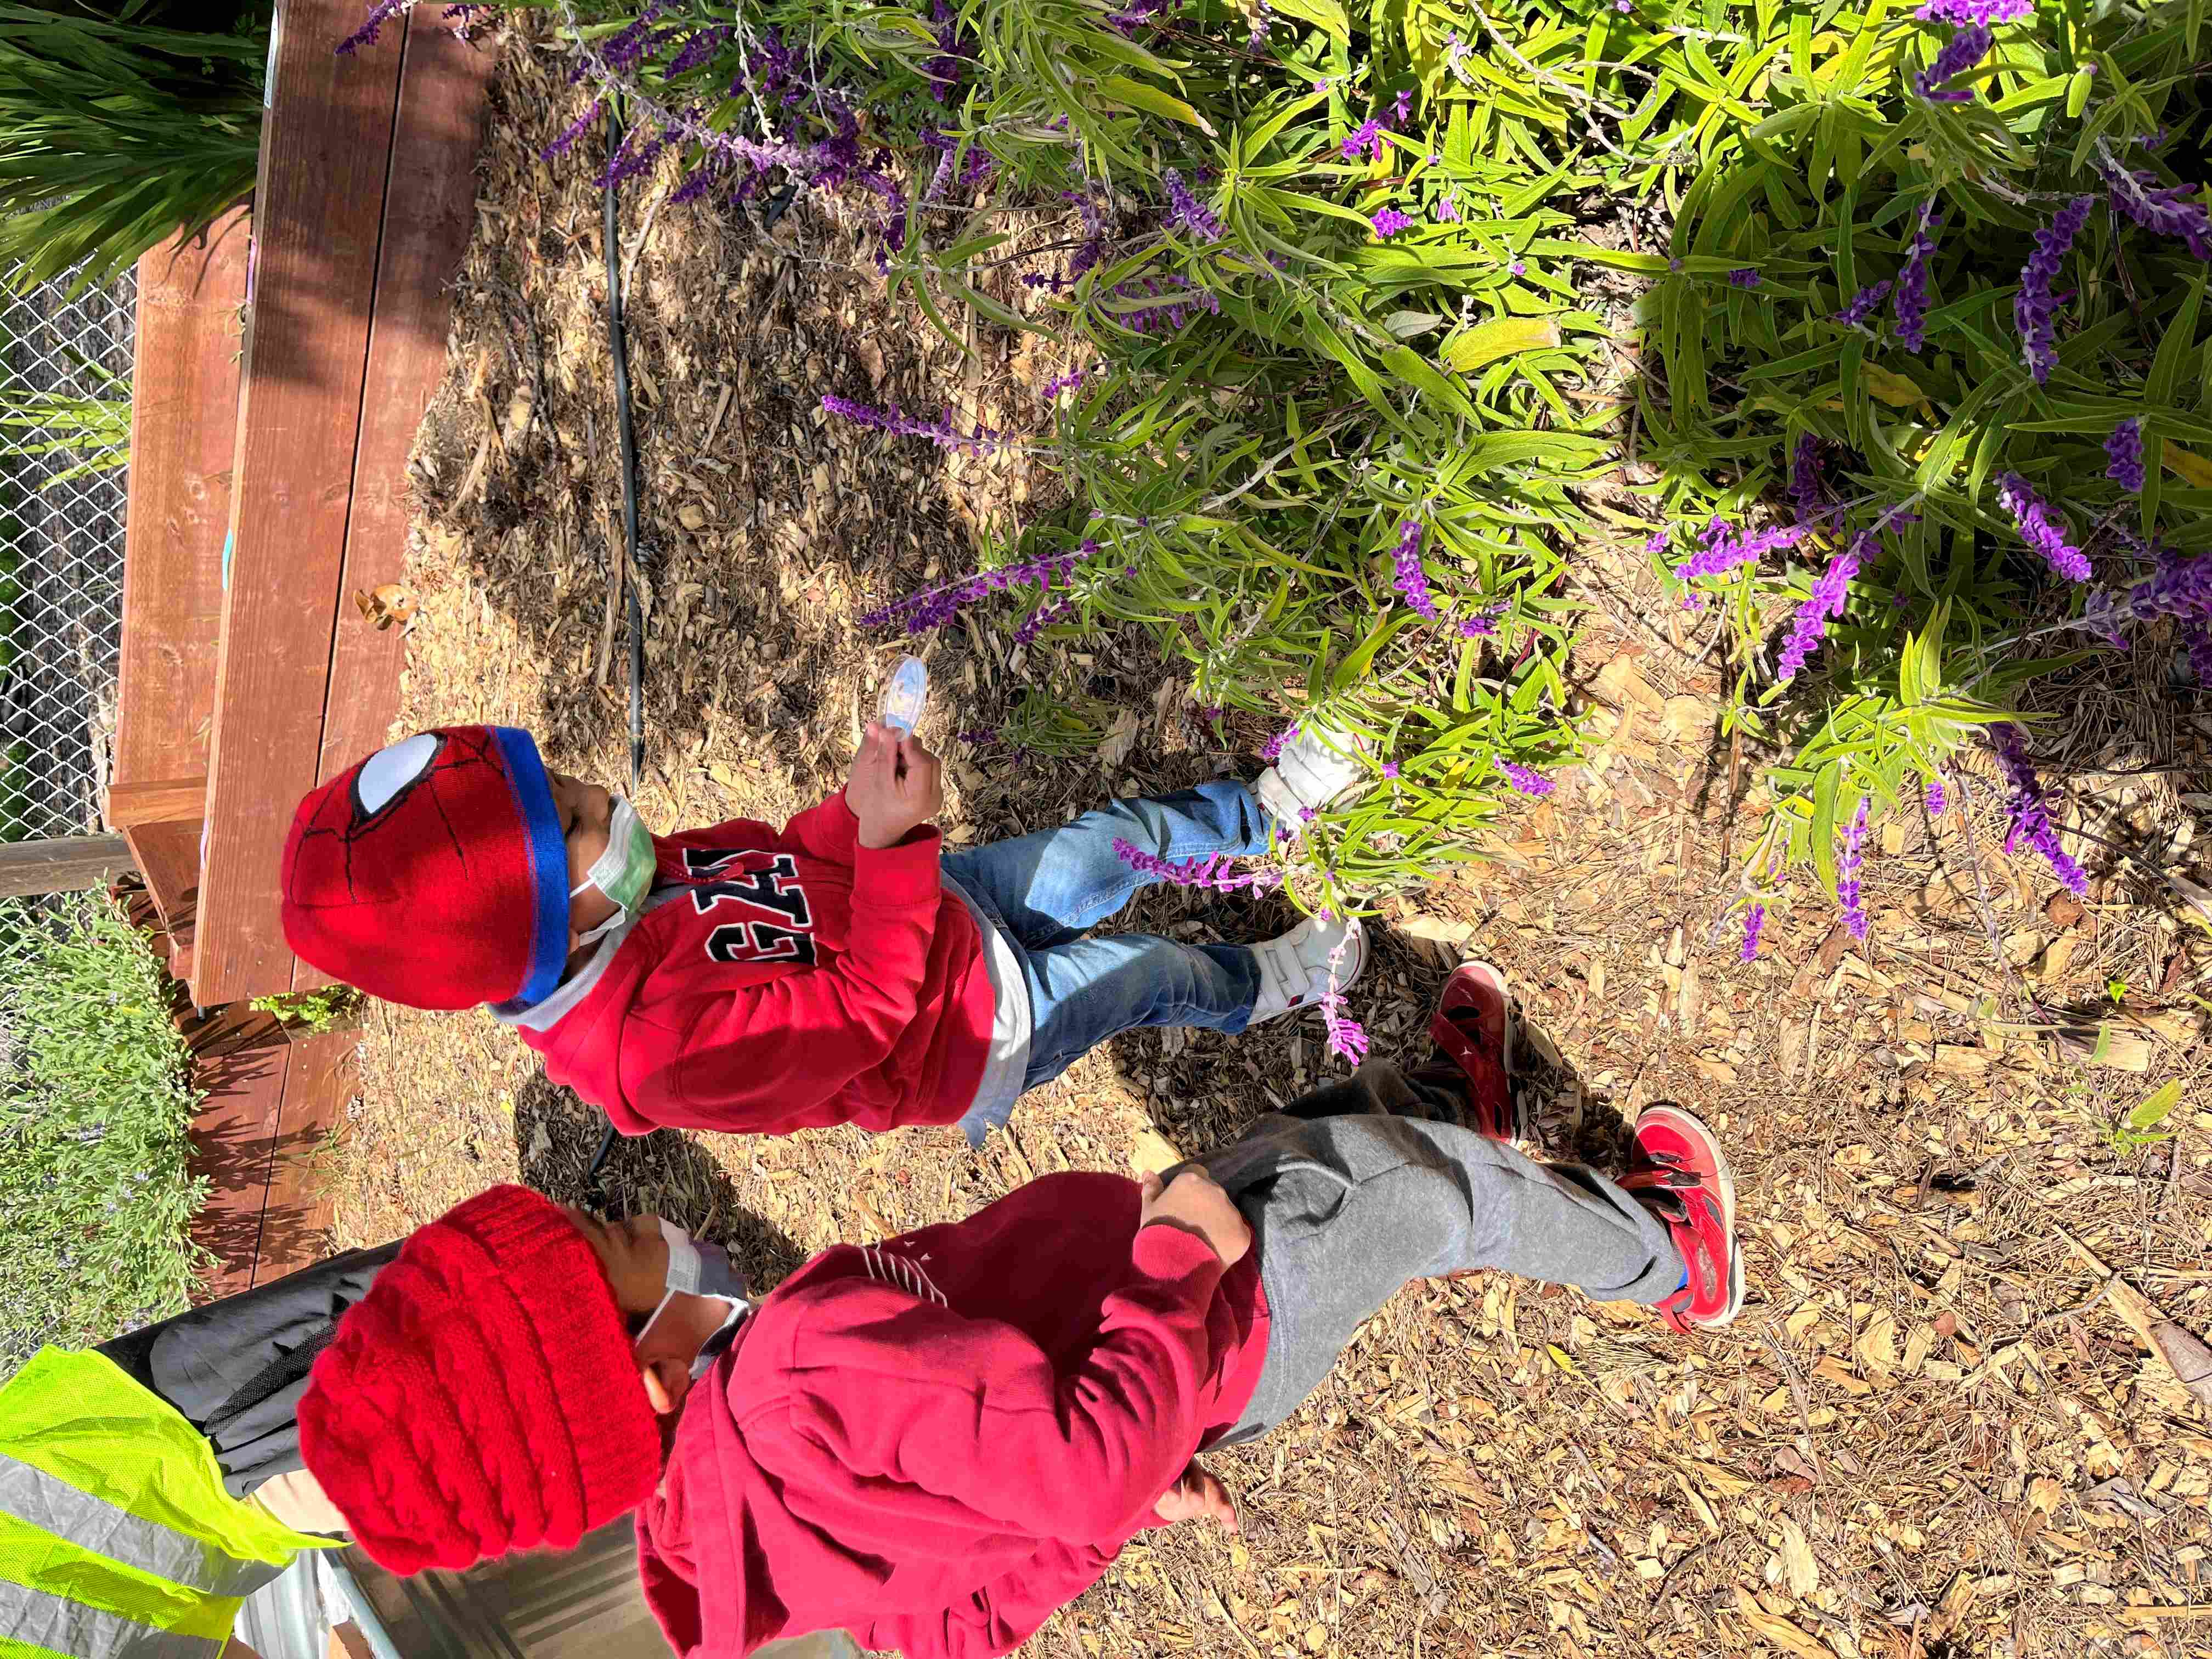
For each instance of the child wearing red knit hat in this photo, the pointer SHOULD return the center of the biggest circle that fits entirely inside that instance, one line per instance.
(934, 1442)
(845, 969)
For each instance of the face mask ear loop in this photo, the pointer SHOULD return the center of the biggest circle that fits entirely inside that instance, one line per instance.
(647, 1330)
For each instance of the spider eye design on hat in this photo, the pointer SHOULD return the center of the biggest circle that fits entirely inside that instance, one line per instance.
(434, 873)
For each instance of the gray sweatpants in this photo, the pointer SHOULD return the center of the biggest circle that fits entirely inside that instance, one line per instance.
(1360, 1188)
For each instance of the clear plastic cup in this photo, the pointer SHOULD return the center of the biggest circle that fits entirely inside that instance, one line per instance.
(907, 696)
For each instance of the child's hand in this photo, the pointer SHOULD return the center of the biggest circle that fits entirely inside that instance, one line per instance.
(1195, 1203)
(895, 786)
(1197, 1494)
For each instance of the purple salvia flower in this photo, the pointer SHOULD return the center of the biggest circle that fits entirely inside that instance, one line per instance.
(1403, 108)
(980, 734)
(622, 50)
(1753, 920)
(2030, 809)
(1913, 281)
(1831, 592)
(1864, 305)
(1218, 873)
(1308, 814)
(1388, 222)
(1447, 212)
(1936, 798)
(372, 25)
(2179, 587)
(2101, 615)
(1725, 550)
(1518, 268)
(934, 607)
(1390, 770)
(2197, 639)
(2124, 449)
(1061, 383)
(1412, 581)
(1483, 624)
(1982, 12)
(2040, 530)
(1347, 1039)
(1190, 212)
(1743, 277)
(1967, 47)
(702, 47)
(1256, 35)
(1525, 780)
(1805, 477)
(940, 432)
(1847, 874)
(1271, 750)
(2169, 209)
(1366, 140)
(2034, 311)
(575, 130)
(1656, 543)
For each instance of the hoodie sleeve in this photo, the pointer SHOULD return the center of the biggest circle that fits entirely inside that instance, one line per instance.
(760, 1057)
(829, 832)
(1002, 1615)
(900, 1391)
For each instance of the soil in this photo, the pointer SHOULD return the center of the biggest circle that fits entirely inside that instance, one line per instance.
(1930, 1433)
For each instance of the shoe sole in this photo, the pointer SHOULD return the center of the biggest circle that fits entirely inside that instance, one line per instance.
(1693, 1125)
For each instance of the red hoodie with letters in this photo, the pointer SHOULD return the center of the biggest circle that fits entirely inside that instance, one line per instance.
(797, 978)
(934, 1442)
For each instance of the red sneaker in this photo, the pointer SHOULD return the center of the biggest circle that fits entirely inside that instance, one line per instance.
(1472, 1028)
(1675, 1167)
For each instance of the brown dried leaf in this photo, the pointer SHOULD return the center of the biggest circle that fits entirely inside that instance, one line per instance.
(1780, 1631)
(1801, 1572)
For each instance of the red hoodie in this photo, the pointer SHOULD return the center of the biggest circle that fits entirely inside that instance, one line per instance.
(934, 1442)
(802, 980)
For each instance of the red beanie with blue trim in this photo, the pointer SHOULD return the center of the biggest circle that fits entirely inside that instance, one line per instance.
(434, 872)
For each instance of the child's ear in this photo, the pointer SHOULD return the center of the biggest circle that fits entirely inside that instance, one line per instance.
(667, 1380)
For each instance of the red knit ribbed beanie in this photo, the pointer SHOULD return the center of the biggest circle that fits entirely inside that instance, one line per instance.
(482, 1397)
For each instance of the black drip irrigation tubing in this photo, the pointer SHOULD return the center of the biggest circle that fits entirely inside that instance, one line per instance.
(610, 191)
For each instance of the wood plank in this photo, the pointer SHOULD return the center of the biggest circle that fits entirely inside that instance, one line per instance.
(241, 1059)
(325, 147)
(168, 858)
(321, 1080)
(165, 800)
(184, 409)
(430, 210)
(68, 864)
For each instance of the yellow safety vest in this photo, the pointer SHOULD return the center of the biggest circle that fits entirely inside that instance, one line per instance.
(117, 1539)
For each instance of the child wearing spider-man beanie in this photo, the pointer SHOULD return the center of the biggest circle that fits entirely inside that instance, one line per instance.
(434, 872)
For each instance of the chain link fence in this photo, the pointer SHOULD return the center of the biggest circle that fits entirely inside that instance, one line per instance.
(61, 559)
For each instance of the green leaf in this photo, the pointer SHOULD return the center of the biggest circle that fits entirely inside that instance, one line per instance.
(1135, 93)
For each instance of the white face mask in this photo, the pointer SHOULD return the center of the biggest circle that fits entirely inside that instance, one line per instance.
(624, 873)
(695, 1270)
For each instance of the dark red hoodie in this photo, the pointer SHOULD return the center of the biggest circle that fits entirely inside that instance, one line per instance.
(934, 1442)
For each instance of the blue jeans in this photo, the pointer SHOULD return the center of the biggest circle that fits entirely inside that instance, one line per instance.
(1046, 888)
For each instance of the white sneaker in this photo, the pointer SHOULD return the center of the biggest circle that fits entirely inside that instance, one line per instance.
(1313, 769)
(1294, 969)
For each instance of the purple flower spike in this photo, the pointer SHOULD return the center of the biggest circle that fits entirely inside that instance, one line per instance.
(1753, 920)
(1390, 770)
(1967, 47)
(2039, 529)
(2197, 639)
(1656, 543)
(1412, 581)
(1218, 873)
(1388, 222)
(1913, 281)
(1447, 212)
(1483, 624)
(2169, 209)
(1937, 800)
(1847, 874)
(1271, 750)
(1984, 12)
(575, 130)
(1805, 481)
(1724, 551)
(939, 431)
(1190, 212)
(372, 25)
(1743, 277)
(1525, 780)
(1402, 109)
(2034, 311)
(2030, 808)
(1864, 305)
(1831, 592)
(2179, 587)
(2125, 449)
(1347, 1039)
(1366, 140)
